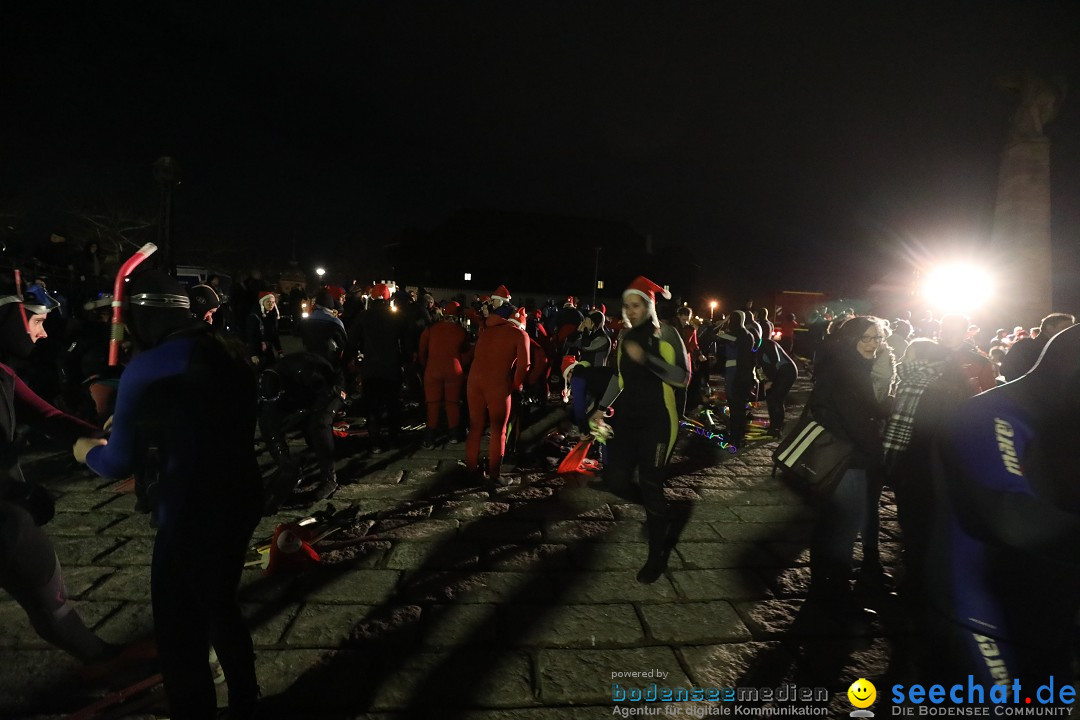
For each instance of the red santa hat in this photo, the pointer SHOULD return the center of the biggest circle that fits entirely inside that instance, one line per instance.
(380, 292)
(451, 309)
(518, 318)
(647, 289)
(264, 299)
(291, 550)
(569, 362)
(501, 293)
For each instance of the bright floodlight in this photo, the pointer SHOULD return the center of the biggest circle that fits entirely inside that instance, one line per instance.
(320, 271)
(957, 288)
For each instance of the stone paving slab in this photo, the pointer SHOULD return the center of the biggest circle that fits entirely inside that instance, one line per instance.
(129, 551)
(425, 587)
(683, 623)
(84, 524)
(720, 584)
(461, 625)
(570, 626)
(83, 550)
(466, 677)
(124, 583)
(348, 585)
(582, 587)
(434, 555)
(130, 622)
(613, 556)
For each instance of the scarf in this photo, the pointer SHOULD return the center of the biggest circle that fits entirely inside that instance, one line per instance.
(914, 377)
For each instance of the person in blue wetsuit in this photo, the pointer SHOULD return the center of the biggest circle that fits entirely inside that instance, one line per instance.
(649, 399)
(189, 395)
(1004, 569)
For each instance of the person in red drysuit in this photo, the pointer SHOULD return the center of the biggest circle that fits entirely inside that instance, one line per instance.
(500, 366)
(443, 352)
(536, 384)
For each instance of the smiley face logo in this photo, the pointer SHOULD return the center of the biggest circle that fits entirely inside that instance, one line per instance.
(862, 693)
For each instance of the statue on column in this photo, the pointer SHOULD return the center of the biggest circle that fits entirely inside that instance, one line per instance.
(1039, 103)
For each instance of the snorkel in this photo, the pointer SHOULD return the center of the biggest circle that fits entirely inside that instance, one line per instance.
(116, 337)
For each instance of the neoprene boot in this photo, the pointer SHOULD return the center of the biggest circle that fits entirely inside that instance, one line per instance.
(659, 549)
(327, 482)
(280, 484)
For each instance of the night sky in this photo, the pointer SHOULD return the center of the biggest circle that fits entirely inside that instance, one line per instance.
(810, 146)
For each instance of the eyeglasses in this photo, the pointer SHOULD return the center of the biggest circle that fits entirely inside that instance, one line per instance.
(871, 338)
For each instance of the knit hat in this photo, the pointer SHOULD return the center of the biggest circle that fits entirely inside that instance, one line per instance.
(501, 293)
(647, 289)
(380, 292)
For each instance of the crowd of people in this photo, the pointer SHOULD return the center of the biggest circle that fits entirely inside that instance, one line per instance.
(981, 475)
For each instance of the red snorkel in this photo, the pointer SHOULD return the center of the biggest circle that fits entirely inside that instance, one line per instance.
(18, 292)
(117, 335)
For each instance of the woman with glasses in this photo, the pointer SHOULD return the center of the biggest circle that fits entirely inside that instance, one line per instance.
(843, 401)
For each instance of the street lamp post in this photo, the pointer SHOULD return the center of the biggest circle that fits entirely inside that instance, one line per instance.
(167, 174)
(596, 276)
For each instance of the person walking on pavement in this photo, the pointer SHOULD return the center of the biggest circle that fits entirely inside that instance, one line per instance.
(443, 353)
(500, 367)
(648, 400)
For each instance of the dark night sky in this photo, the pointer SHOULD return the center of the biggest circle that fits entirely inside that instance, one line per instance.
(810, 142)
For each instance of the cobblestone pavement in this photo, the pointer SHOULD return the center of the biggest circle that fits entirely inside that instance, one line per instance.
(511, 603)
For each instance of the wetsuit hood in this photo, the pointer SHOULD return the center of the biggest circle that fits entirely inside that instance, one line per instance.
(14, 339)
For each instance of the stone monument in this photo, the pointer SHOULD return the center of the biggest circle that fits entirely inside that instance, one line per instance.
(1020, 239)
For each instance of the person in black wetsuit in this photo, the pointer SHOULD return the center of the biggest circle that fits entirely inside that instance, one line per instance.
(190, 395)
(302, 388)
(653, 372)
(591, 342)
(780, 375)
(741, 345)
(29, 567)
(379, 335)
(1004, 574)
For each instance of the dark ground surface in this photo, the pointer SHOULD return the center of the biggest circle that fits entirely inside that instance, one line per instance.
(516, 603)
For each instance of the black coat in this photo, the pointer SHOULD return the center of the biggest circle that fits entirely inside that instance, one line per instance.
(843, 401)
